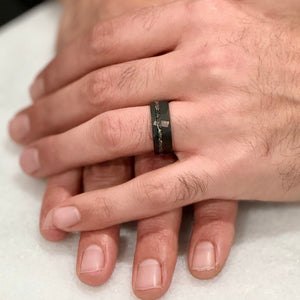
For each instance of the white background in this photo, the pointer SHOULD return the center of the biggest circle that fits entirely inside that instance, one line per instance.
(264, 262)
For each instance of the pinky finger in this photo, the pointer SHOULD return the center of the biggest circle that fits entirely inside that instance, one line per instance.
(212, 237)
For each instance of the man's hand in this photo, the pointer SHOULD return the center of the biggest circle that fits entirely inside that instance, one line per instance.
(235, 78)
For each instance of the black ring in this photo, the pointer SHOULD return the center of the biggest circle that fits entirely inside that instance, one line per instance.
(161, 127)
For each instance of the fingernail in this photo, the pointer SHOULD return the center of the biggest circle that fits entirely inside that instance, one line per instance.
(48, 223)
(204, 257)
(148, 275)
(37, 89)
(29, 161)
(66, 217)
(19, 127)
(92, 260)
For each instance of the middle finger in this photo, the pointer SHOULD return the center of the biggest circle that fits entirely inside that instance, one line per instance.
(125, 85)
(97, 250)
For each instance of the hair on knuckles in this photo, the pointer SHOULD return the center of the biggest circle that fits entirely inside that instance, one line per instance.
(179, 190)
(127, 78)
(190, 186)
(290, 174)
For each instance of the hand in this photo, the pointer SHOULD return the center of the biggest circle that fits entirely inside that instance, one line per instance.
(234, 120)
(214, 220)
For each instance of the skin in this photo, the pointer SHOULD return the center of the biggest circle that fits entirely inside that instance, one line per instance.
(234, 119)
(157, 237)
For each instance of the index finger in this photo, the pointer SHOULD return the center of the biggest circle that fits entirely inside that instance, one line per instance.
(147, 195)
(140, 34)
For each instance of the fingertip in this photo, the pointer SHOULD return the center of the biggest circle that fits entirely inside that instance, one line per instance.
(92, 266)
(156, 255)
(212, 237)
(97, 255)
(207, 258)
(19, 127)
(59, 188)
(29, 161)
(203, 262)
(66, 217)
(37, 89)
(49, 231)
(148, 280)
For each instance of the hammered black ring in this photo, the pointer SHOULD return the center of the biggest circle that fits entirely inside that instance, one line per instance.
(161, 127)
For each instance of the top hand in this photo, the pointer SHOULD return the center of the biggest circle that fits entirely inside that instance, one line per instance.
(234, 120)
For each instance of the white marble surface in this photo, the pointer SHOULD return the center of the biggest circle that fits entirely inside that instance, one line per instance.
(264, 262)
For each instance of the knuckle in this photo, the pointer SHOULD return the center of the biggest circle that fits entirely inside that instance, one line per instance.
(135, 77)
(153, 192)
(215, 62)
(107, 174)
(210, 60)
(127, 77)
(102, 38)
(94, 178)
(112, 131)
(181, 190)
(158, 236)
(99, 87)
(103, 206)
(215, 212)
(214, 227)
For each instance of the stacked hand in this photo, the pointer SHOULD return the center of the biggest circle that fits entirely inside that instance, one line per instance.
(231, 73)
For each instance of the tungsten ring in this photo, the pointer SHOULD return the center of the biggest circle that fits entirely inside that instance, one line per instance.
(161, 127)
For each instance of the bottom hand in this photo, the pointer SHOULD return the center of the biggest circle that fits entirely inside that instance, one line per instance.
(157, 237)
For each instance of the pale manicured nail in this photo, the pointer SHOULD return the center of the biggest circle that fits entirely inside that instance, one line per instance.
(48, 223)
(66, 217)
(29, 160)
(37, 89)
(204, 257)
(148, 275)
(19, 127)
(92, 260)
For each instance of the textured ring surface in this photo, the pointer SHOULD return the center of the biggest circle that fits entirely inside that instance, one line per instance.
(161, 127)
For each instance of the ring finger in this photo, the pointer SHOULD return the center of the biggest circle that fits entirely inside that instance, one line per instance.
(105, 137)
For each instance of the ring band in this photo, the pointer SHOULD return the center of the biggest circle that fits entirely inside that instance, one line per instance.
(161, 127)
